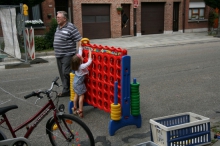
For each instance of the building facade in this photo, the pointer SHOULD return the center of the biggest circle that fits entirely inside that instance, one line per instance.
(97, 19)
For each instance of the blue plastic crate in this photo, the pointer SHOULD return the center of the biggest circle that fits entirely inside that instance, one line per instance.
(185, 129)
(148, 143)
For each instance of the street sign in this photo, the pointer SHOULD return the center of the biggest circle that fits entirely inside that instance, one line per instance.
(136, 3)
(25, 9)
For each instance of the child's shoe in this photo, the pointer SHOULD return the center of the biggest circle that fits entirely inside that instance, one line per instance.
(74, 110)
(80, 113)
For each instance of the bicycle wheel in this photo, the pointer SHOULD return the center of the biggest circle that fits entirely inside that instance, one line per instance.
(75, 130)
(2, 136)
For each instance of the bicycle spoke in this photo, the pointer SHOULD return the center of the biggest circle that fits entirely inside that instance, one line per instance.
(76, 134)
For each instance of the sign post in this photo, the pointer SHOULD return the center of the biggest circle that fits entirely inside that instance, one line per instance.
(136, 3)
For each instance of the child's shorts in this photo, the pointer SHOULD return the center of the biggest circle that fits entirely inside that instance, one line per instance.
(79, 85)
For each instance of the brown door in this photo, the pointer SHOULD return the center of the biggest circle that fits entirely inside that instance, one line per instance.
(175, 16)
(96, 21)
(125, 19)
(152, 18)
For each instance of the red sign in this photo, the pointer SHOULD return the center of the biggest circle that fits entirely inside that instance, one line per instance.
(136, 3)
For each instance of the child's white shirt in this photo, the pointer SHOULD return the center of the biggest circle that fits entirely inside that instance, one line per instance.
(83, 67)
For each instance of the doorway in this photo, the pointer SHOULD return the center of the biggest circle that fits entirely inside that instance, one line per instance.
(175, 16)
(125, 19)
(152, 17)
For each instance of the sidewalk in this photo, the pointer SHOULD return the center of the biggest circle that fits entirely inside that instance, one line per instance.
(156, 40)
(217, 143)
(144, 41)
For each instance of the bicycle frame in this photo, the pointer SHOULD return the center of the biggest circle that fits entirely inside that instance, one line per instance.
(41, 114)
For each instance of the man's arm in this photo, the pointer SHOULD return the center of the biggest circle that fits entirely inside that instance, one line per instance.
(78, 44)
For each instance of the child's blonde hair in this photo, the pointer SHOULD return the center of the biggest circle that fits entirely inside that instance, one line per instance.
(76, 61)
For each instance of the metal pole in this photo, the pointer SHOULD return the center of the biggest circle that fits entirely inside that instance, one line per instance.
(135, 23)
(184, 17)
(23, 28)
(218, 29)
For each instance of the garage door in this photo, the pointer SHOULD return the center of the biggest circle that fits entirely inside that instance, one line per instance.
(96, 21)
(152, 18)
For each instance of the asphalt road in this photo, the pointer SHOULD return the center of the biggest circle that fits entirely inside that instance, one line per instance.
(172, 79)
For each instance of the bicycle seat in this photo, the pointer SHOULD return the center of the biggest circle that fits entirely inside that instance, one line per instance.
(7, 108)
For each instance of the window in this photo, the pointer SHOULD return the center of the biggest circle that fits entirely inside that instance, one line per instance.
(196, 10)
(34, 13)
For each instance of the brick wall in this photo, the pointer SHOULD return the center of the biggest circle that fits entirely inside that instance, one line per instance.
(48, 7)
(115, 19)
(168, 14)
(195, 24)
(138, 18)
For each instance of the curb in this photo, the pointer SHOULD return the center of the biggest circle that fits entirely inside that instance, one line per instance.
(216, 143)
(39, 54)
(49, 53)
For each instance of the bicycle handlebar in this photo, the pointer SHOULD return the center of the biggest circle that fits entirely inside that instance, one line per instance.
(30, 95)
(55, 79)
(54, 82)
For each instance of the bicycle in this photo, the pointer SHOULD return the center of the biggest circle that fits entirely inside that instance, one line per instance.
(62, 129)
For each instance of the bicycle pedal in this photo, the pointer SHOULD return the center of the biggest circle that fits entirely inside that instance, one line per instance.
(55, 127)
(61, 108)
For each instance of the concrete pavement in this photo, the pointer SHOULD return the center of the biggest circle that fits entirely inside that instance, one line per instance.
(156, 40)
(145, 42)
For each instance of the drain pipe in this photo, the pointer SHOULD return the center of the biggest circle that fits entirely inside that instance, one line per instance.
(135, 23)
(71, 9)
(184, 12)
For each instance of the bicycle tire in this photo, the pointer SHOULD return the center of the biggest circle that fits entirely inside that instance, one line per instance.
(2, 136)
(81, 133)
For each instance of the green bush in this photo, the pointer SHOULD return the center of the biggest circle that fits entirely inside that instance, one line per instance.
(43, 43)
(46, 42)
(212, 16)
(40, 43)
(49, 36)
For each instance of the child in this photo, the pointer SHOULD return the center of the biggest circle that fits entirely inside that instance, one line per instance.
(81, 70)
